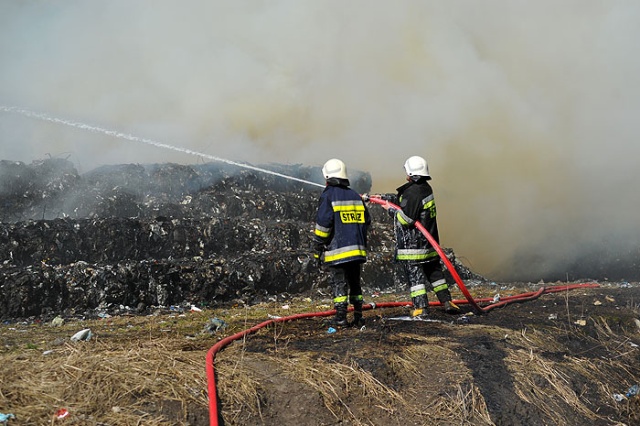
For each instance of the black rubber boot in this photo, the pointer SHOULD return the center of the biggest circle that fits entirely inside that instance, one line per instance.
(444, 296)
(420, 304)
(340, 319)
(358, 320)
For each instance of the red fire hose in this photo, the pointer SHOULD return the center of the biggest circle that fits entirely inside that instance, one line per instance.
(211, 379)
(443, 256)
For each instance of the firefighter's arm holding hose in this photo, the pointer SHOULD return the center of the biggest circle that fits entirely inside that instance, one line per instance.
(389, 199)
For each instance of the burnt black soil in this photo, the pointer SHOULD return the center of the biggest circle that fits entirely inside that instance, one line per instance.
(546, 332)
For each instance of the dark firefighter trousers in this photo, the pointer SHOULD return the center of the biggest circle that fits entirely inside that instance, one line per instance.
(345, 282)
(423, 277)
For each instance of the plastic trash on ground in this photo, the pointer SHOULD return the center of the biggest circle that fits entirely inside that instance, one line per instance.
(4, 418)
(214, 325)
(62, 413)
(82, 335)
(633, 391)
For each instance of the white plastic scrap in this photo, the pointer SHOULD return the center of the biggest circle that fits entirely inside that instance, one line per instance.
(4, 418)
(82, 335)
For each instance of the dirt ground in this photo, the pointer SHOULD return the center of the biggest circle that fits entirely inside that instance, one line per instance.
(567, 358)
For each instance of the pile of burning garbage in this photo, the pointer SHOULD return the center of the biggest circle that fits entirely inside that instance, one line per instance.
(132, 237)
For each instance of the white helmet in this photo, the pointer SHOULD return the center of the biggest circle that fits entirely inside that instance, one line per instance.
(334, 168)
(416, 166)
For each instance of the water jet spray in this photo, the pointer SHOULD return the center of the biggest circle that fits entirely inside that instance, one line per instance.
(126, 136)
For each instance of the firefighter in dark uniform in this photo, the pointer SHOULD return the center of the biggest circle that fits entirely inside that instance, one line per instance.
(419, 259)
(340, 240)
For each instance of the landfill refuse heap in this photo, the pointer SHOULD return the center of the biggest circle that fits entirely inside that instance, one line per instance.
(132, 237)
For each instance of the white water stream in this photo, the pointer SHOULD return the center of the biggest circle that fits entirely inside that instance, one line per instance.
(119, 135)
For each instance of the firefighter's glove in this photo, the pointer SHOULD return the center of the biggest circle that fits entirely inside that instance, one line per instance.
(318, 250)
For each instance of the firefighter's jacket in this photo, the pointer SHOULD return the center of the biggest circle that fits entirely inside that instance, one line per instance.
(341, 224)
(415, 198)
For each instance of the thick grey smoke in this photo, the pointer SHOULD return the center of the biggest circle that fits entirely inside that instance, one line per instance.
(526, 111)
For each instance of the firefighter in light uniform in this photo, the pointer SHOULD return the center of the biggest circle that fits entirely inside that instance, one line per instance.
(420, 260)
(340, 240)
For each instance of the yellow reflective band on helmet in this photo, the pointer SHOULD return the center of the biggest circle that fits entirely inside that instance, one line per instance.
(328, 257)
(340, 299)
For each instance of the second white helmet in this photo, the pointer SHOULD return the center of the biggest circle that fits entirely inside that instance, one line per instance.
(416, 166)
(334, 168)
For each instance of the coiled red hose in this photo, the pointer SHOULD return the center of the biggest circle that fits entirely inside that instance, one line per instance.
(211, 353)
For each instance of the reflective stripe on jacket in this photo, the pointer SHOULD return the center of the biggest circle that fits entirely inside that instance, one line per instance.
(417, 203)
(341, 225)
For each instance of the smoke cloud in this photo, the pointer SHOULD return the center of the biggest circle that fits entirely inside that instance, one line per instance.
(526, 111)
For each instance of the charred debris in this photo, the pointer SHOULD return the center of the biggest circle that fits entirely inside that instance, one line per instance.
(128, 238)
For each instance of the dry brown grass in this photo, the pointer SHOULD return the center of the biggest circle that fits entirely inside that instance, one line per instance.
(150, 370)
(109, 379)
(551, 383)
(433, 367)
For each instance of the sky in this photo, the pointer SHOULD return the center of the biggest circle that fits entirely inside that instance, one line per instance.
(525, 111)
